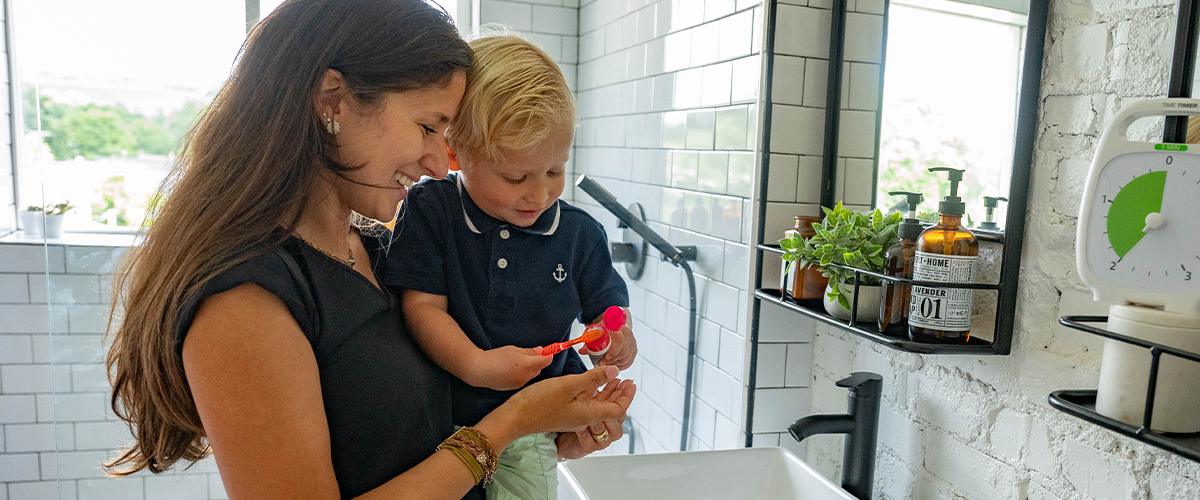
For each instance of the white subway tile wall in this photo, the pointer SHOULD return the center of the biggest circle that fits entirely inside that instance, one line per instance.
(669, 88)
(783, 376)
(56, 426)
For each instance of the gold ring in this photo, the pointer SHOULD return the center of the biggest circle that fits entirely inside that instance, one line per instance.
(601, 437)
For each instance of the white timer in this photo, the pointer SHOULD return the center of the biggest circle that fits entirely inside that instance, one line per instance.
(1138, 248)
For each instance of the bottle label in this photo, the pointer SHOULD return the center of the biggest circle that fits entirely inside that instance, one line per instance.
(942, 308)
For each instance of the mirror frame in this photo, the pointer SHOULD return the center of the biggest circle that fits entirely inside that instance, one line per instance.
(1183, 66)
(1013, 233)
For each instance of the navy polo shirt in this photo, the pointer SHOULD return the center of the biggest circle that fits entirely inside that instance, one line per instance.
(505, 284)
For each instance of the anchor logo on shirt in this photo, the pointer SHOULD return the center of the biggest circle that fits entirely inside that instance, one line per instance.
(560, 274)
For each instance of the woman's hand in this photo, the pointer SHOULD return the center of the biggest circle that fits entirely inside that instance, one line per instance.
(622, 347)
(578, 444)
(562, 404)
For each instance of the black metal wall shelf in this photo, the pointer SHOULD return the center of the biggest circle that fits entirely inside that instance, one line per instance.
(1082, 404)
(894, 336)
(813, 308)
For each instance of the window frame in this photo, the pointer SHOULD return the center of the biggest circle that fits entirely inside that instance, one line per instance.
(15, 110)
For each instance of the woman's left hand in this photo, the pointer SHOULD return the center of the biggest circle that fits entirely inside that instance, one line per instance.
(622, 347)
(580, 443)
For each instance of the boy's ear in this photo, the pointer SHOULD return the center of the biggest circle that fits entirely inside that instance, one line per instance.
(453, 159)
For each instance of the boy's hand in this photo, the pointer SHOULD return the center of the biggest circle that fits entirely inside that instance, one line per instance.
(622, 347)
(507, 368)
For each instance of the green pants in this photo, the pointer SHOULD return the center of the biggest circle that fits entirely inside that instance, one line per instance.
(528, 470)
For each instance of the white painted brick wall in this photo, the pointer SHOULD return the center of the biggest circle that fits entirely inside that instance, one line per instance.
(980, 427)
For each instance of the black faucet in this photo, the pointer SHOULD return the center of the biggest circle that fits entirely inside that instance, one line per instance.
(861, 427)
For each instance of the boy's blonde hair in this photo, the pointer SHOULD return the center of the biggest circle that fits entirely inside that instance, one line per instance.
(515, 97)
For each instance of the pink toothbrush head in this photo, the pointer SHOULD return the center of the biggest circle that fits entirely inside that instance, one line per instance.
(614, 319)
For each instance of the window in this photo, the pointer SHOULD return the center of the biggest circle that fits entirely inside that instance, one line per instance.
(108, 90)
(951, 85)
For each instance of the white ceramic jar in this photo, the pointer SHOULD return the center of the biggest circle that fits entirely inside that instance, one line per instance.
(1125, 370)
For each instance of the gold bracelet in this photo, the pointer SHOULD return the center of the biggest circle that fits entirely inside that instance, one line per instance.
(476, 452)
(467, 459)
(481, 449)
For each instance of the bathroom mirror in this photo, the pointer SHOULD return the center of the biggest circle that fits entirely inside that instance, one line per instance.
(950, 96)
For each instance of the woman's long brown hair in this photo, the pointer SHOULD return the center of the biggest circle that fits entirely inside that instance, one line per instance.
(245, 170)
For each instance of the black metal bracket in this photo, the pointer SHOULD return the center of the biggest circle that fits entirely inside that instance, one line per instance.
(633, 251)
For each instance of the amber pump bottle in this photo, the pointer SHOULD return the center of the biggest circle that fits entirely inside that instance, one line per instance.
(945, 252)
(898, 262)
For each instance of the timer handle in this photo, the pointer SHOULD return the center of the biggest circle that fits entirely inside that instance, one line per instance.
(1153, 107)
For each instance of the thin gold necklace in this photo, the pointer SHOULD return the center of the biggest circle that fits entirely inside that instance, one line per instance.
(349, 261)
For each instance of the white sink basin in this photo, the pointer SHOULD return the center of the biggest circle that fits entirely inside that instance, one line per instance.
(743, 474)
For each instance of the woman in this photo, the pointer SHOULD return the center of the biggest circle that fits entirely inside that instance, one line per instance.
(254, 322)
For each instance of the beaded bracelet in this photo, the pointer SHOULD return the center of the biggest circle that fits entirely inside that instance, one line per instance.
(476, 452)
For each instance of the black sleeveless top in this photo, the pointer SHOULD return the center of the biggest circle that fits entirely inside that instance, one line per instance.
(387, 404)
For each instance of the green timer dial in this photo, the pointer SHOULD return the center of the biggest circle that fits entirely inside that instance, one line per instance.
(1130, 207)
(1144, 222)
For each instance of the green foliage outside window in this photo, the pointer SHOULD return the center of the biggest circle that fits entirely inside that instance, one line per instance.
(91, 132)
(94, 131)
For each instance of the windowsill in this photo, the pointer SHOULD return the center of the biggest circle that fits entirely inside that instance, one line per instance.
(73, 239)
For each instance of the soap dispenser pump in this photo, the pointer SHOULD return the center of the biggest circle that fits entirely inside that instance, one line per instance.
(946, 252)
(898, 262)
(989, 212)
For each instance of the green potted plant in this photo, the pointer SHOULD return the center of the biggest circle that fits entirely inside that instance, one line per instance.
(854, 240)
(33, 220)
(54, 218)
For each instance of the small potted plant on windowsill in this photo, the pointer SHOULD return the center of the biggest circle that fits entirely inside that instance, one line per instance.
(54, 218)
(33, 220)
(848, 239)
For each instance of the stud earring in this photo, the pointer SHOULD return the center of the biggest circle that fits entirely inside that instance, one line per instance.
(332, 126)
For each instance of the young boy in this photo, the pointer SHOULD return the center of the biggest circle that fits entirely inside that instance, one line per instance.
(493, 263)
